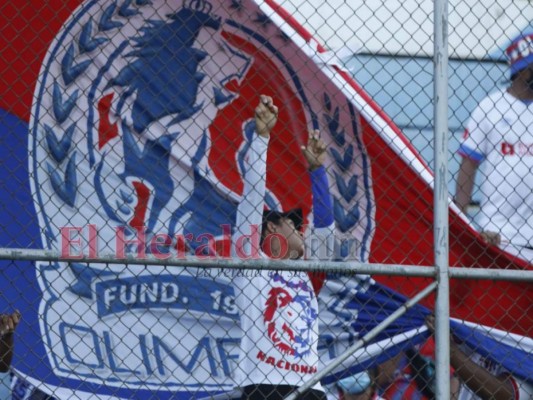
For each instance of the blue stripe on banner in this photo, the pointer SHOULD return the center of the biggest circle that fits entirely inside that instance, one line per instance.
(371, 306)
(376, 304)
(20, 229)
(367, 306)
(519, 363)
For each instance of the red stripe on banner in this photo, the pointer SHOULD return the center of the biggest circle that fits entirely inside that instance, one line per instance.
(106, 130)
(139, 213)
(26, 31)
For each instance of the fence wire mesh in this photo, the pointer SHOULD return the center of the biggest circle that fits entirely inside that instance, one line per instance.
(234, 199)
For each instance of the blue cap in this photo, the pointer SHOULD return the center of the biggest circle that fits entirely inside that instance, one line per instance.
(355, 384)
(520, 53)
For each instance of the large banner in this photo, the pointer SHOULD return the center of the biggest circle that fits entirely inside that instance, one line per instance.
(129, 120)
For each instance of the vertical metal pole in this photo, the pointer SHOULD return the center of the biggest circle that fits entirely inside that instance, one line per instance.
(441, 227)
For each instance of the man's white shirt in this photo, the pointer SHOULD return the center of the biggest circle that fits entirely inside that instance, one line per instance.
(500, 133)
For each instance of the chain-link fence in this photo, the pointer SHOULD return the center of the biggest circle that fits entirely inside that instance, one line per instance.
(236, 199)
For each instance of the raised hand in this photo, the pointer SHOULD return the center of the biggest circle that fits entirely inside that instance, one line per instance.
(492, 238)
(266, 116)
(9, 322)
(315, 151)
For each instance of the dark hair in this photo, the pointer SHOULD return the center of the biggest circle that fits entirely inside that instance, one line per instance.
(295, 215)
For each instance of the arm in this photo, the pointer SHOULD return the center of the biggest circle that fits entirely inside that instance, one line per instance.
(250, 209)
(463, 193)
(321, 245)
(6, 351)
(322, 204)
(8, 324)
(323, 217)
(478, 379)
(473, 149)
(465, 182)
(315, 154)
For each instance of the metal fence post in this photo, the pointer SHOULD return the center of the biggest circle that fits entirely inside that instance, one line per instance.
(442, 350)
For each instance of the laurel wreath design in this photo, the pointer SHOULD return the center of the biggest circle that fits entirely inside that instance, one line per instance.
(65, 184)
(346, 183)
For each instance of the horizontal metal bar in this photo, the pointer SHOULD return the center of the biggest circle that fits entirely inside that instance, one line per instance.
(491, 274)
(429, 58)
(340, 267)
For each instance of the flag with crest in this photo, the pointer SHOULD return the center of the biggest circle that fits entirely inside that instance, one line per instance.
(124, 120)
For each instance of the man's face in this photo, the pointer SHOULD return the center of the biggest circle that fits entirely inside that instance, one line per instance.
(295, 240)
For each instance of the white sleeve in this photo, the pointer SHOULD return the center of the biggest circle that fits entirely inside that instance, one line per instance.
(475, 137)
(5, 386)
(250, 210)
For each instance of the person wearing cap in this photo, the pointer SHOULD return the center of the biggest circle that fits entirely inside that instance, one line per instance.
(360, 386)
(8, 324)
(499, 136)
(278, 309)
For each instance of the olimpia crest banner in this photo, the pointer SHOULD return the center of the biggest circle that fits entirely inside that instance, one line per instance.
(129, 119)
